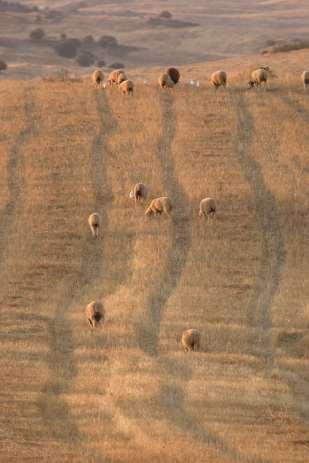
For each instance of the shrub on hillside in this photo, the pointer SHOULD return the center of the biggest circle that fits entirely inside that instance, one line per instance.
(88, 41)
(37, 34)
(101, 63)
(85, 58)
(3, 66)
(116, 65)
(68, 48)
(165, 14)
(107, 41)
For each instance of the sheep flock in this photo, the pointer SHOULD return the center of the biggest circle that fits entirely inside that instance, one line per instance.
(168, 79)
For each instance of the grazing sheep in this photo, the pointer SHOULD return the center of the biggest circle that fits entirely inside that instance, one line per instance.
(305, 79)
(190, 340)
(116, 77)
(258, 77)
(207, 207)
(159, 205)
(127, 87)
(138, 192)
(94, 224)
(97, 78)
(121, 77)
(165, 81)
(173, 74)
(95, 313)
(218, 79)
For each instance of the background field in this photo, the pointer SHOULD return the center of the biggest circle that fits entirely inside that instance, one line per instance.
(127, 392)
(197, 32)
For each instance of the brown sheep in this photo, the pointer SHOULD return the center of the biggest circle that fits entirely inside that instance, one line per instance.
(218, 79)
(165, 81)
(138, 192)
(127, 87)
(174, 74)
(190, 340)
(159, 205)
(94, 224)
(207, 207)
(97, 78)
(305, 79)
(258, 77)
(95, 313)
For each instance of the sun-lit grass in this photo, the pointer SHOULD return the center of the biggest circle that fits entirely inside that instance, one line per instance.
(127, 392)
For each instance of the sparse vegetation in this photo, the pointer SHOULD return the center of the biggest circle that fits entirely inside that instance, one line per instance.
(68, 48)
(85, 58)
(3, 65)
(285, 46)
(37, 34)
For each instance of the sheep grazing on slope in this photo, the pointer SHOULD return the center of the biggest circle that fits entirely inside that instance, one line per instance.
(207, 207)
(95, 313)
(165, 81)
(190, 340)
(218, 79)
(258, 77)
(173, 74)
(116, 77)
(159, 205)
(138, 192)
(127, 87)
(121, 77)
(94, 224)
(97, 78)
(305, 79)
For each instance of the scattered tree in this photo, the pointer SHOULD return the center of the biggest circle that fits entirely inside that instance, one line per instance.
(117, 65)
(100, 63)
(68, 48)
(85, 58)
(107, 41)
(37, 34)
(3, 66)
(165, 15)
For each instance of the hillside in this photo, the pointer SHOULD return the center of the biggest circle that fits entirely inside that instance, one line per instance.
(127, 392)
(194, 32)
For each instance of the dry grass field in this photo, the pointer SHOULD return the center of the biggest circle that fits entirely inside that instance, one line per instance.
(126, 391)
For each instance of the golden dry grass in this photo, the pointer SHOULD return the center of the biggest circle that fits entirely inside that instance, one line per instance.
(127, 392)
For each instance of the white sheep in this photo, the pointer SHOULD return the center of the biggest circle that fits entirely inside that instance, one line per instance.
(258, 77)
(94, 222)
(94, 313)
(218, 79)
(165, 81)
(159, 205)
(116, 77)
(138, 192)
(305, 79)
(97, 78)
(127, 87)
(190, 340)
(207, 207)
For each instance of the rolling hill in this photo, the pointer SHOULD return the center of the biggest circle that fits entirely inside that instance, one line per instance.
(127, 392)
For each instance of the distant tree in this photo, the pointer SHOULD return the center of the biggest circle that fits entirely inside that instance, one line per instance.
(88, 41)
(85, 59)
(107, 41)
(37, 34)
(165, 15)
(63, 36)
(68, 48)
(3, 66)
(116, 65)
(100, 63)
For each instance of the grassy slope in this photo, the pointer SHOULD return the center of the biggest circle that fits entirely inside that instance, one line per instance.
(127, 391)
